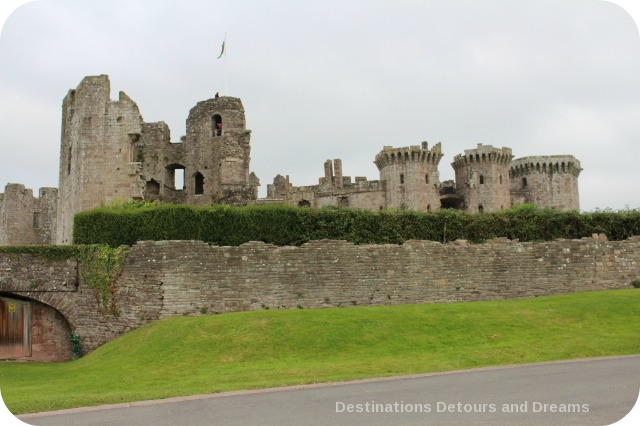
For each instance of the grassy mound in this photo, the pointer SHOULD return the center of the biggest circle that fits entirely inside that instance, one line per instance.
(192, 355)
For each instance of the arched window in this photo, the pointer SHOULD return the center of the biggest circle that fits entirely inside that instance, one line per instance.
(216, 123)
(304, 203)
(198, 183)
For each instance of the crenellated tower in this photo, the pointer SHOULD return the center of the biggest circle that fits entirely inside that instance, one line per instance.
(547, 181)
(411, 176)
(482, 178)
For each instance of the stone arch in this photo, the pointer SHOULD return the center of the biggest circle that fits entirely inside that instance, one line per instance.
(45, 329)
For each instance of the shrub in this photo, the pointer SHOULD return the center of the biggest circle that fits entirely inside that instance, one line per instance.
(286, 225)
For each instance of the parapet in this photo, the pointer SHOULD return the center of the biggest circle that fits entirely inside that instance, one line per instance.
(484, 154)
(544, 164)
(414, 153)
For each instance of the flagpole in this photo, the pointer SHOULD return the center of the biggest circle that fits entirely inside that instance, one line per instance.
(225, 64)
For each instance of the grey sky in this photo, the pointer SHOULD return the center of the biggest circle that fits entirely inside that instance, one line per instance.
(341, 79)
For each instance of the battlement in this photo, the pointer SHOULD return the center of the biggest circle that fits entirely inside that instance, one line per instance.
(414, 153)
(483, 153)
(545, 164)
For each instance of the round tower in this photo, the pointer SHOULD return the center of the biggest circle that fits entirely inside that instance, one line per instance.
(217, 152)
(482, 178)
(411, 176)
(547, 181)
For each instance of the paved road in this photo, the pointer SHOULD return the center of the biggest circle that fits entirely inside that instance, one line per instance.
(595, 392)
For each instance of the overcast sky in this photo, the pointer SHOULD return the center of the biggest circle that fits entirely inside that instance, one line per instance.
(341, 79)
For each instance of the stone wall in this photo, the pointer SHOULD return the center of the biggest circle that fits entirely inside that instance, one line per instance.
(168, 278)
(25, 219)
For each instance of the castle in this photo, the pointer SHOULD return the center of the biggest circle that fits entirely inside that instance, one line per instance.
(109, 153)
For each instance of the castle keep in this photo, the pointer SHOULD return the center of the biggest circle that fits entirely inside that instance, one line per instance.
(108, 152)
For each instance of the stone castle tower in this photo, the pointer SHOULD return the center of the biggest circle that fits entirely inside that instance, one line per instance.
(95, 151)
(109, 153)
(411, 176)
(482, 178)
(550, 181)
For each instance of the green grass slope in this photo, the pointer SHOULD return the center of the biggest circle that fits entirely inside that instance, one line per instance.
(192, 355)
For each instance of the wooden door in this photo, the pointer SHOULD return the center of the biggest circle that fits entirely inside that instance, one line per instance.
(15, 328)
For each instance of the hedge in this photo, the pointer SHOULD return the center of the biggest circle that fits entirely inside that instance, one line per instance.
(286, 225)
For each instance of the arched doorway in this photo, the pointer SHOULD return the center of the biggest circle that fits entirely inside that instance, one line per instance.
(33, 331)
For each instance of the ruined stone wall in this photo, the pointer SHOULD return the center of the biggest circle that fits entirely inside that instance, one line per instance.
(167, 278)
(547, 181)
(57, 285)
(334, 189)
(261, 276)
(26, 220)
(158, 158)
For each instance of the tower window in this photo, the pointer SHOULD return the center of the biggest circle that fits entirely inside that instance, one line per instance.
(426, 179)
(480, 208)
(69, 162)
(524, 182)
(216, 122)
(401, 178)
(481, 180)
(500, 179)
(199, 183)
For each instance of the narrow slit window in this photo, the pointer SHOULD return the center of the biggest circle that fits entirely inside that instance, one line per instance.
(216, 122)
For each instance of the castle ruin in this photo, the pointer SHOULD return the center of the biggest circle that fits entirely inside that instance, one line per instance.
(109, 153)
(487, 179)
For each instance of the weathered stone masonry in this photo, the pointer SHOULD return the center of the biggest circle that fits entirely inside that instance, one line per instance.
(167, 278)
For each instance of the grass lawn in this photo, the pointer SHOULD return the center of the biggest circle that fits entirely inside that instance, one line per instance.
(205, 354)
